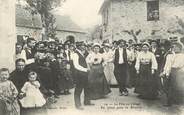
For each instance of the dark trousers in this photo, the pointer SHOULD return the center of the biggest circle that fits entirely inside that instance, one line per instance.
(120, 72)
(81, 84)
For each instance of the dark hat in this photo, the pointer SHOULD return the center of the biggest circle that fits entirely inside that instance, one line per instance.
(40, 42)
(121, 40)
(67, 42)
(30, 39)
(18, 43)
(52, 42)
(167, 44)
(155, 41)
(130, 41)
(81, 43)
(115, 42)
(138, 44)
(60, 46)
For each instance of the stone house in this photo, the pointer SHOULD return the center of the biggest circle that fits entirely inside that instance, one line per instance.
(142, 19)
(30, 25)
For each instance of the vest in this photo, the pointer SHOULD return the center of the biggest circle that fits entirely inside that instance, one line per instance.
(82, 60)
(116, 61)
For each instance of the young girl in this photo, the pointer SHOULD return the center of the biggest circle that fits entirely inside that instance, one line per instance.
(8, 95)
(34, 97)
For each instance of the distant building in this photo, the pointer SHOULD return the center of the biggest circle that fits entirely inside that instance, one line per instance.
(66, 27)
(97, 33)
(31, 25)
(130, 19)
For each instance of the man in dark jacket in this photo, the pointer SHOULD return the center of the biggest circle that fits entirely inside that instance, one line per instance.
(81, 68)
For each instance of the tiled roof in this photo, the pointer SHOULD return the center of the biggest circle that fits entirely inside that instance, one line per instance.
(63, 22)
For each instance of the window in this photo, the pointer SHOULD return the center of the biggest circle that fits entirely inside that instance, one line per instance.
(153, 10)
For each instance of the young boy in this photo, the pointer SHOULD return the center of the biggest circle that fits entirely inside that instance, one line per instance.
(8, 95)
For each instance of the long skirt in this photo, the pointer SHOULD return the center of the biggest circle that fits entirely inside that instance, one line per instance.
(146, 85)
(176, 87)
(131, 81)
(109, 74)
(98, 86)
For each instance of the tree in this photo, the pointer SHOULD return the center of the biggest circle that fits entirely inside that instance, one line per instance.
(181, 24)
(43, 7)
(133, 33)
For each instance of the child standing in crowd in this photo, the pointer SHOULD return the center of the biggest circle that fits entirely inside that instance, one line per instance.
(8, 95)
(34, 97)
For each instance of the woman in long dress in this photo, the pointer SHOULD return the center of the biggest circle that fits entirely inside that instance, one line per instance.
(109, 66)
(98, 85)
(146, 65)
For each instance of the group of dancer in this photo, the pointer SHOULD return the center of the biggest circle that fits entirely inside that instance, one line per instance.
(46, 70)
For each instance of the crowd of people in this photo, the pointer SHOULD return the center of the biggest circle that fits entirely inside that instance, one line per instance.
(46, 70)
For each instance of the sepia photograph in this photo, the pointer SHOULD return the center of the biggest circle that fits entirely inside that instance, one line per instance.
(90, 57)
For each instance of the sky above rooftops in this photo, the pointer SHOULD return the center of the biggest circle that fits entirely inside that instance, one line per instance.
(82, 12)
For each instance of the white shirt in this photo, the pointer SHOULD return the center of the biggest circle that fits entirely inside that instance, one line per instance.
(146, 58)
(75, 58)
(94, 58)
(121, 60)
(108, 56)
(130, 55)
(173, 61)
(153, 50)
(67, 54)
(22, 55)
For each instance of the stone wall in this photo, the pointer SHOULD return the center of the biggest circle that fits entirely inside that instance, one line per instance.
(7, 33)
(62, 35)
(132, 15)
(37, 34)
(32, 32)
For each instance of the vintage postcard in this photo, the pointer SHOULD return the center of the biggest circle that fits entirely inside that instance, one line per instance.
(89, 57)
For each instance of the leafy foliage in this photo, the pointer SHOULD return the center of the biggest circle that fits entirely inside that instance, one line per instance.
(43, 7)
(133, 33)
